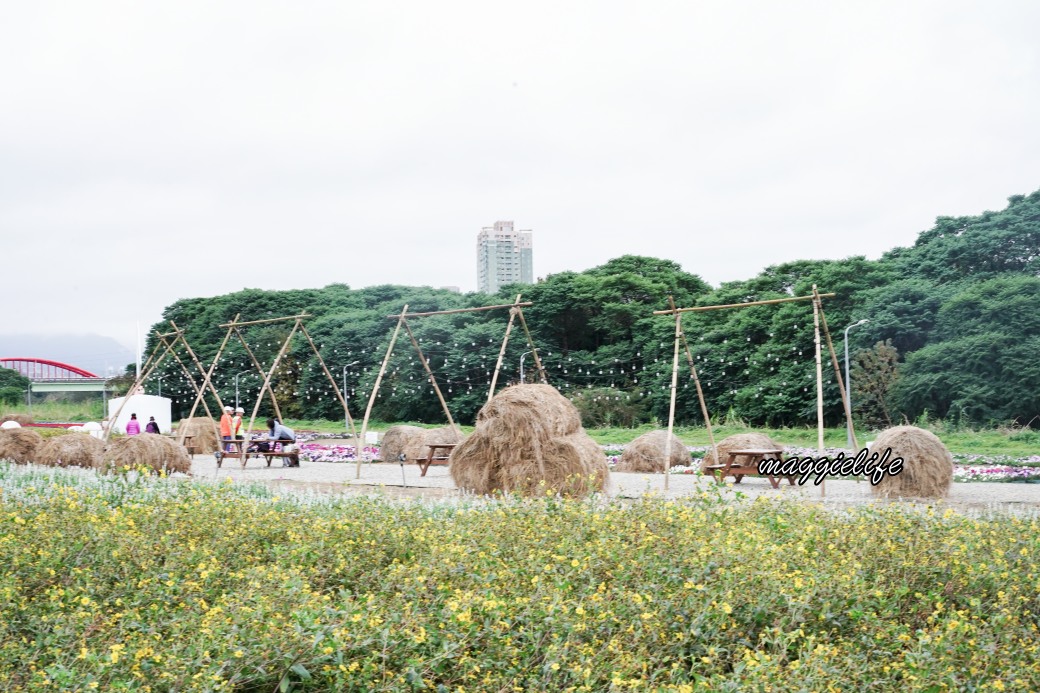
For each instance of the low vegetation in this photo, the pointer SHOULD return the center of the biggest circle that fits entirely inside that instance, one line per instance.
(125, 583)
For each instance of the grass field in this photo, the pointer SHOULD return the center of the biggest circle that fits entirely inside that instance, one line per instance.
(145, 584)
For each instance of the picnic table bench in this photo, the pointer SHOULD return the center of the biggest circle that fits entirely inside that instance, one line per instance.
(239, 454)
(741, 463)
(432, 457)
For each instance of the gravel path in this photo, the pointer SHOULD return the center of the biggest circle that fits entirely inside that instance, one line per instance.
(391, 479)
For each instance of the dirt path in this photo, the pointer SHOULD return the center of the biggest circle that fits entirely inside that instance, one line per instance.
(393, 480)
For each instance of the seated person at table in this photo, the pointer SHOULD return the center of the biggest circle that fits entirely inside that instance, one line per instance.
(286, 436)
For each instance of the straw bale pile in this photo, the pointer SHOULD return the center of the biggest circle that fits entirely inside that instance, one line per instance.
(646, 453)
(927, 464)
(20, 419)
(412, 441)
(529, 440)
(206, 432)
(71, 450)
(155, 451)
(19, 445)
(739, 441)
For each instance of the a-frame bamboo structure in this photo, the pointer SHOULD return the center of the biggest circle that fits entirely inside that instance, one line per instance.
(298, 326)
(169, 340)
(816, 297)
(515, 311)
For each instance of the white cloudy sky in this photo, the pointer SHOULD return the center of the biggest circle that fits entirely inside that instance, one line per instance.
(146, 146)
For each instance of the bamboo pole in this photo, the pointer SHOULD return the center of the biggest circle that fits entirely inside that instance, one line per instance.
(671, 406)
(191, 378)
(375, 387)
(267, 381)
(335, 387)
(740, 305)
(235, 323)
(502, 351)
(205, 381)
(198, 364)
(260, 370)
(137, 383)
(837, 375)
(819, 384)
(462, 310)
(534, 349)
(700, 392)
(433, 381)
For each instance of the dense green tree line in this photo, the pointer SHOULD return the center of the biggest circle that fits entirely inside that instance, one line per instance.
(953, 332)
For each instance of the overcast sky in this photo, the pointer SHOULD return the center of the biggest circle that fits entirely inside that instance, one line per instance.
(145, 147)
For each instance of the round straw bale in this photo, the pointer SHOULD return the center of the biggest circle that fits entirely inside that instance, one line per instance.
(205, 432)
(529, 440)
(20, 419)
(646, 453)
(19, 445)
(71, 450)
(400, 439)
(738, 441)
(927, 464)
(148, 449)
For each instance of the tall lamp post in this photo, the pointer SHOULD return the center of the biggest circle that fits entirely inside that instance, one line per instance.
(160, 379)
(848, 392)
(346, 421)
(522, 365)
(236, 386)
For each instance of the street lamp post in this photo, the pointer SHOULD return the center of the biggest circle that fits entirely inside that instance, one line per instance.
(346, 421)
(848, 392)
(236, 386)
(160, 379)
(522, 365)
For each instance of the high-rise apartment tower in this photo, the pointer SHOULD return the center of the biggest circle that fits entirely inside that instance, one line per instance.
(504, 256)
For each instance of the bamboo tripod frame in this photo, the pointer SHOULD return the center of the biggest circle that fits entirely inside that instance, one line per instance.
(816, 297)
(298, 326)
(515, 311)
(170, 341)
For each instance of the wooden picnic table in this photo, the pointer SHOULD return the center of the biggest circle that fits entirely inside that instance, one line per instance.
(239, 454)
(433, 458)
(741, 463)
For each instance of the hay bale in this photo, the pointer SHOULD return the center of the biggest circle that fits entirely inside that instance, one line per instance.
(19, 445)
(646, 453)
(71, 450)
(739, 441)
(206, 434)
(529, 440)
(20, 419)
(398, 439)
(927, 464)
(148, 449)
(413, 441)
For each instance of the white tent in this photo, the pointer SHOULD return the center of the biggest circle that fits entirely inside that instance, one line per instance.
(144, 406)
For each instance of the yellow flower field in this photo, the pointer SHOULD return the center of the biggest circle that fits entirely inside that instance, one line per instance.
(127, 583)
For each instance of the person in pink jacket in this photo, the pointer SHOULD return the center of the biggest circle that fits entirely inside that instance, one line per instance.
(133, 426)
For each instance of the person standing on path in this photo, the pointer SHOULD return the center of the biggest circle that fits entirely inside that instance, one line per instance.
(225, 427)
(151, 426)
(133, 426)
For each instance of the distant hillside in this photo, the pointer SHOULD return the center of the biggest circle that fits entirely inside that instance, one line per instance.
(91, 352)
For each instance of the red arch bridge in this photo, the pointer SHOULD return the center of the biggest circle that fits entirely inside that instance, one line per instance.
(54, 376)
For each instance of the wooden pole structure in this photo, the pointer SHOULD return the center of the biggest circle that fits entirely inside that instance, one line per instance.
(235, 323)
(837, 375)
(191, 378)
(534, 349)
(433, 381)
(260, 370)
(700, 392)
(464, 310)
(267, 379)
(502, 351)
(207, 381)
(819, 384)
(375, 388)
(671, 406)
(335, 388)
(740, 305)
(137, 383)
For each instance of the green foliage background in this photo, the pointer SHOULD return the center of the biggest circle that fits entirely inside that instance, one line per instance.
(959, 308)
